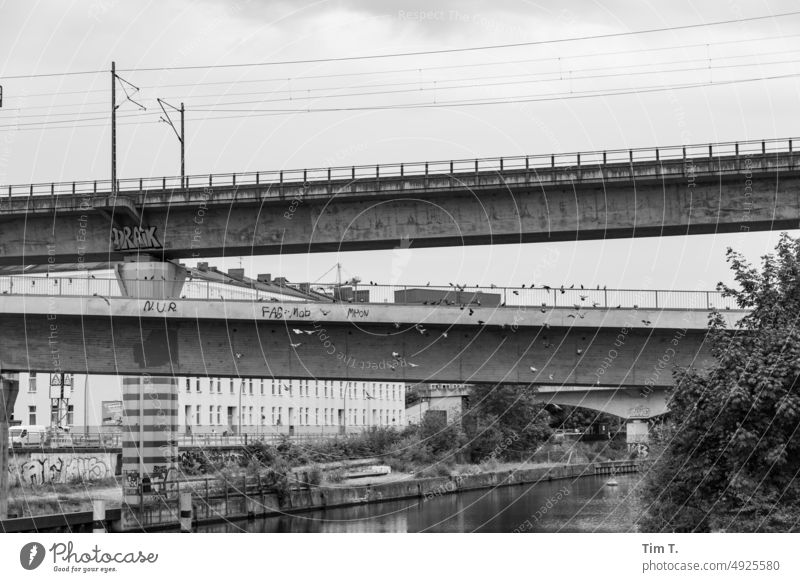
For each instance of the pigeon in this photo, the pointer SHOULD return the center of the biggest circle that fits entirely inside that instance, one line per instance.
(397, 325)
(324, 312)
(297, 331)
(295, 345)
(413, 365)
(581, 285)
(534, 370)
(428, 284)
(636, 307)
(481, 322)
(395, 355)
(646, 321)
(581, 315)
(572, 286)
(515, 292)
(546, 287)
(550, 377)
(595, 304)
(444, 334)
(543, 310)
(571, 315)
(584, 297)
(238, 355)
(471, 311)
(579, 351)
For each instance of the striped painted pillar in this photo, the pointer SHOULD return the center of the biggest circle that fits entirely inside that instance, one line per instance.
(150, 437)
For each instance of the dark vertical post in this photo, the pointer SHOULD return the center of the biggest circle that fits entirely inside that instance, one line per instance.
(183, 153)
(9, 387)
(113, 128)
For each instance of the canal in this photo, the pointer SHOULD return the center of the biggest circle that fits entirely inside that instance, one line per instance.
(586, 504)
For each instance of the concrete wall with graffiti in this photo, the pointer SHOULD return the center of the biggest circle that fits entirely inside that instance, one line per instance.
(37, 468)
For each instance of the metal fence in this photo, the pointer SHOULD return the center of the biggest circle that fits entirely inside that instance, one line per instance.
(362, 295)
(665, 156)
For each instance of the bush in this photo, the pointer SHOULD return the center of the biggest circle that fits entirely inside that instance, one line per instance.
(315, 476)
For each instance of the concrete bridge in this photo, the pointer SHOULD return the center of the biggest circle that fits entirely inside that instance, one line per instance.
(591, 195)
(529, 342)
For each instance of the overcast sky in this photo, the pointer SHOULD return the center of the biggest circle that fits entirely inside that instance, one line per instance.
(58, 36)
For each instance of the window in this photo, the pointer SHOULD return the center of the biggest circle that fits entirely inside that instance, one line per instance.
(231, 381)
(316, 416)
(210, 415)
(70, 415)
(199, 420)
(250, 416)
(273, 415)
(219, 410)
(251, 385)
(263, 416)
(306, 409)
(363, 416)
(197, 385)
(316, 388)
(262, 388)
(31, 415)
(219, 386)
(280, 415)
(188, 385)
(325, 388)
(32, 384)
(273, 389)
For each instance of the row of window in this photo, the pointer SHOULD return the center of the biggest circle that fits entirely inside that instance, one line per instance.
(278, 388)
(54, 412)
(304, 416)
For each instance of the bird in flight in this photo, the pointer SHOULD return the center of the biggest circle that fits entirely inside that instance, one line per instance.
(295, 345)
(324, 312)
(534, 369)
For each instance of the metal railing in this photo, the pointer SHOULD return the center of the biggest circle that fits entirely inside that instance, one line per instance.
(663, 156)
(359, 296)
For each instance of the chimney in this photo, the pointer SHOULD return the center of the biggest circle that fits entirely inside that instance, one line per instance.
(202, 266)
(265, 277)
(236, 273)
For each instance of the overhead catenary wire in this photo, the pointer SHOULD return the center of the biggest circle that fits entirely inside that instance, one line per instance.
(241, 113)
(469, 49)
(306, 94)
(562, 58)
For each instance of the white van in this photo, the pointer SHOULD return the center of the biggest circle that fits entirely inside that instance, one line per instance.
(27, 434)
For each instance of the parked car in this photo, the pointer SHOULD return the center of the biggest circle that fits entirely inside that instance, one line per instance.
(27, 434)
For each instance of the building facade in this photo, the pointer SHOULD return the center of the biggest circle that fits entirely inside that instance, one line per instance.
(218, 405)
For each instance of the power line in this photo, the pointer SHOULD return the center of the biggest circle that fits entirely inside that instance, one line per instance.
(434, 84)
(467, 49)
(252, 113)
(429, 68)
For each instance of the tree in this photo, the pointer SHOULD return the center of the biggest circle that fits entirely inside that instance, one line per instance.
(504, 420)
(731, 455)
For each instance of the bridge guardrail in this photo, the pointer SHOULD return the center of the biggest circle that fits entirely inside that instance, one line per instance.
(665, 156)
(361, 295)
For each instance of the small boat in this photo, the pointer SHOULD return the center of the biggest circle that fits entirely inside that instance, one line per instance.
(612, 482)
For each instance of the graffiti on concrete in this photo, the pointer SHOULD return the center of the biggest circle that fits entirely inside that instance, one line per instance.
(41, 468)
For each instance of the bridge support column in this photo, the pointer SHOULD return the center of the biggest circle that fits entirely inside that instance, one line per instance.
(146, 277)
(150, 426)
(9, 388)
(637, 432)
(150, 438)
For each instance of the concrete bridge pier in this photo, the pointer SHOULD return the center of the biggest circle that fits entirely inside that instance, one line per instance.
(147, 277)
(150, 403)
(9, 388)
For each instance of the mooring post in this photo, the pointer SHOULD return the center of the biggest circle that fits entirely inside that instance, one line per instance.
(186, 512)
(98, 516)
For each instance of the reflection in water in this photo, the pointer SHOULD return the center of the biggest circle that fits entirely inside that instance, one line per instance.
(580, 505)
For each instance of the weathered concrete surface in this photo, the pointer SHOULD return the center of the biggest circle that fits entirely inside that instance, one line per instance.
(726, 194)
(629, 403)
(129, 336)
